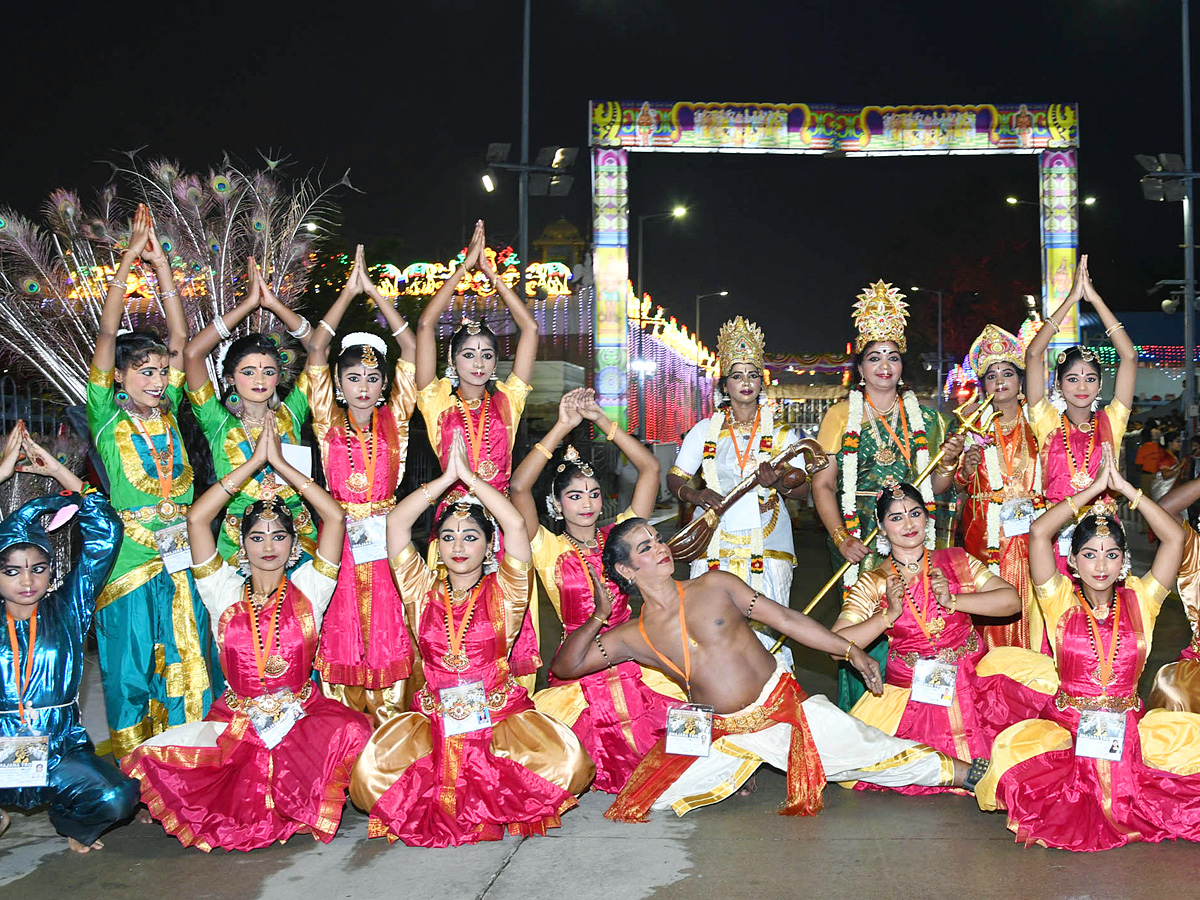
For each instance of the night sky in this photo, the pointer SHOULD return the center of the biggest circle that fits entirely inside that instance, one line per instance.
(408, 96)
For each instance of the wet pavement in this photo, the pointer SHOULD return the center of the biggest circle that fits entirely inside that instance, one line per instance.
(862, 845)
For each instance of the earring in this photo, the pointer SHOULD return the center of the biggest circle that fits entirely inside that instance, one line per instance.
(233, 403)
(273, 401)
(492, 377)
(242, 561)
(862, 382)
(1071, 566)
(1124, 569)
(882, 545)
(901, 385)
(1020, 396)
(294, 556)
(121, 396)
(379, 402)
(452, 374)
(337, 393)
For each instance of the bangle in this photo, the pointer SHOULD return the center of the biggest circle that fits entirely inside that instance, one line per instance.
(612, 431)
(224, 482)
(1111, 331)
(167, 295)
(399, 331)
(849, 647)
(603, 622)
(607, 661)
(222, 329)
(542, 450)
(428, 496)
(753, 600)
(1074, 508)
(474, 481)
(840, 536)
(1137, 498)
(323, 324)
(302, 330)
(953, 602)
(1053, 323)
(304, 487)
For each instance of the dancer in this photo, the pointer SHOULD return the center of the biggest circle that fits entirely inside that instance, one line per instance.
(879, 434)
(47, 757)
(1087, 775)
(923, 600)
(251, 370)
(1071, 440)
(1002, 481)
(620, 713)
(365, 656)
(487, 418)
(156, 660)
(477, 759)
(754, 540)
(273, 756)
(1177, 685)
(750, 706)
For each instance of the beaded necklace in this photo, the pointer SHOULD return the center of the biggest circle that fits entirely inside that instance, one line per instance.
(360, 482)
(267, 663)
(1079, 476)
(454, 658)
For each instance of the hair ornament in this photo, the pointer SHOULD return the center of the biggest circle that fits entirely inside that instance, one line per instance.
(891, 484)
(1085, 353)
(572, 457)
(371, 345)
(470, 325)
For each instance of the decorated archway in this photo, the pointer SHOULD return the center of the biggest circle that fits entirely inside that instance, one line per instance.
(619, 127)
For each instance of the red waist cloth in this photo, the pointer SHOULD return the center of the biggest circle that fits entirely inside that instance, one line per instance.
(805, 774)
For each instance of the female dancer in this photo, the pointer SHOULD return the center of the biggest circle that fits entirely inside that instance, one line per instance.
(923, 600)
(155, 664)
(1002, 480)
(879, 434)
(1177, 685)
(1083, 777)
(366, 655)
(41, 663)
(251, 369)
(462, 403)
(477, 758)
(620, 713)
(1070, 440)
(273, 756)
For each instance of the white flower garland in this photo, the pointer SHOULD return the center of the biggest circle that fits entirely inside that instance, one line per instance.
(991, 457)
(913, 410)
(854, 420)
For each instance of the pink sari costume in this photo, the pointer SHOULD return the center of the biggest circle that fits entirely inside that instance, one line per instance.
(215, 783)
(489, 431)
(620, 713)
(364, 641)
(518, 774)
(966, 728)
(1057, 798)
(1177, 685)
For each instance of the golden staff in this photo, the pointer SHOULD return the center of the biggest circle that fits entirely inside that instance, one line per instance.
(975, 422)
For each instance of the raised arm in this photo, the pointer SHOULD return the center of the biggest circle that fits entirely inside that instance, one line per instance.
(105, 355)
(326, 328)
(508, 518)
(297, 326)
(427, 363)
(1044, 530)
(211, 504)
(1122, 343)
(400, 520)
(203, 344)
(1165, 525)
(172, 303)
(1035, 354)
(396, 322)
(527, 343)
(585, 650)
(520, 487)
(1179, 498)
(333, 518)
(645, 491)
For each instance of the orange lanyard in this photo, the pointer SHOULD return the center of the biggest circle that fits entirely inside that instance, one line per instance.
(742, 457)
(920, 615)
(370, 447)
(22, 688)
(166, 473)
(456, 633)
(1087, 460)
(686, 674)
(475, 437)
(1009, 450)
(903, 448)
(262, 650)
(1109, 659)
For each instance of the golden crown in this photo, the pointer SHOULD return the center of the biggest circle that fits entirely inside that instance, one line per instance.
(740, 341)
(994, 345)
(879, 315)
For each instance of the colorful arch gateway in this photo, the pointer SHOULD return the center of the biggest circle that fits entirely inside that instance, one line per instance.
(621, 127)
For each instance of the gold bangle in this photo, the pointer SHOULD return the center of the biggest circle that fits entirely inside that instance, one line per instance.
(542, 450)
(840, 536)
(1074, 508)
(1137, 498)
(428, 496)
(1111, 331)
(953, 602)
(474, 481)
(612, 431)
(849, 647)
(304, 487)
(1051, 321)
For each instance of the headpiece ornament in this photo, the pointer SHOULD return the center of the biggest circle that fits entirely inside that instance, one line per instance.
(1087, 354)
(1104, 511)
(470, 325)
(370, 343)
(740, 341)
(995, 345)
(879, 315)
(572, 457)
(891, 484)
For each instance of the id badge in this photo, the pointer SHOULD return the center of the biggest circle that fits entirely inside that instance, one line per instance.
(273, 727)
(173, 547)
(933, 682)
(689, 730)
(464, 708)
(368, 539)
(24, 760)
(1064, 540)
(1101, 735)
(1016, 516)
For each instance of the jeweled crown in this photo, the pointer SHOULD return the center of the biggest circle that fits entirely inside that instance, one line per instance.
(740, 341)
(879, 315)
(994, 345)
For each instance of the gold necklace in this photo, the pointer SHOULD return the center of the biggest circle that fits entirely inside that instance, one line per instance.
(915, 566)
(458, 595)
(593, 544)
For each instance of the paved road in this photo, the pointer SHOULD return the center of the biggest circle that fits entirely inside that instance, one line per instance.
(862, 845)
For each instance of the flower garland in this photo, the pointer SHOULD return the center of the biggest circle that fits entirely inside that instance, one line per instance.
(991, 458)
(849, 466)
(766, 442)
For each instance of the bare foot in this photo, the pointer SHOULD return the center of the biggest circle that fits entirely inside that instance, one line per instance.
(5, 821)
(143, 817)
(748, 787)
(84, 848)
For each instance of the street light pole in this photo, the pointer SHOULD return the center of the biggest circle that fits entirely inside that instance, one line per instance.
(940, 363)
(699, 399)
(1189, 250)
(677, 213)
(523, 182)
